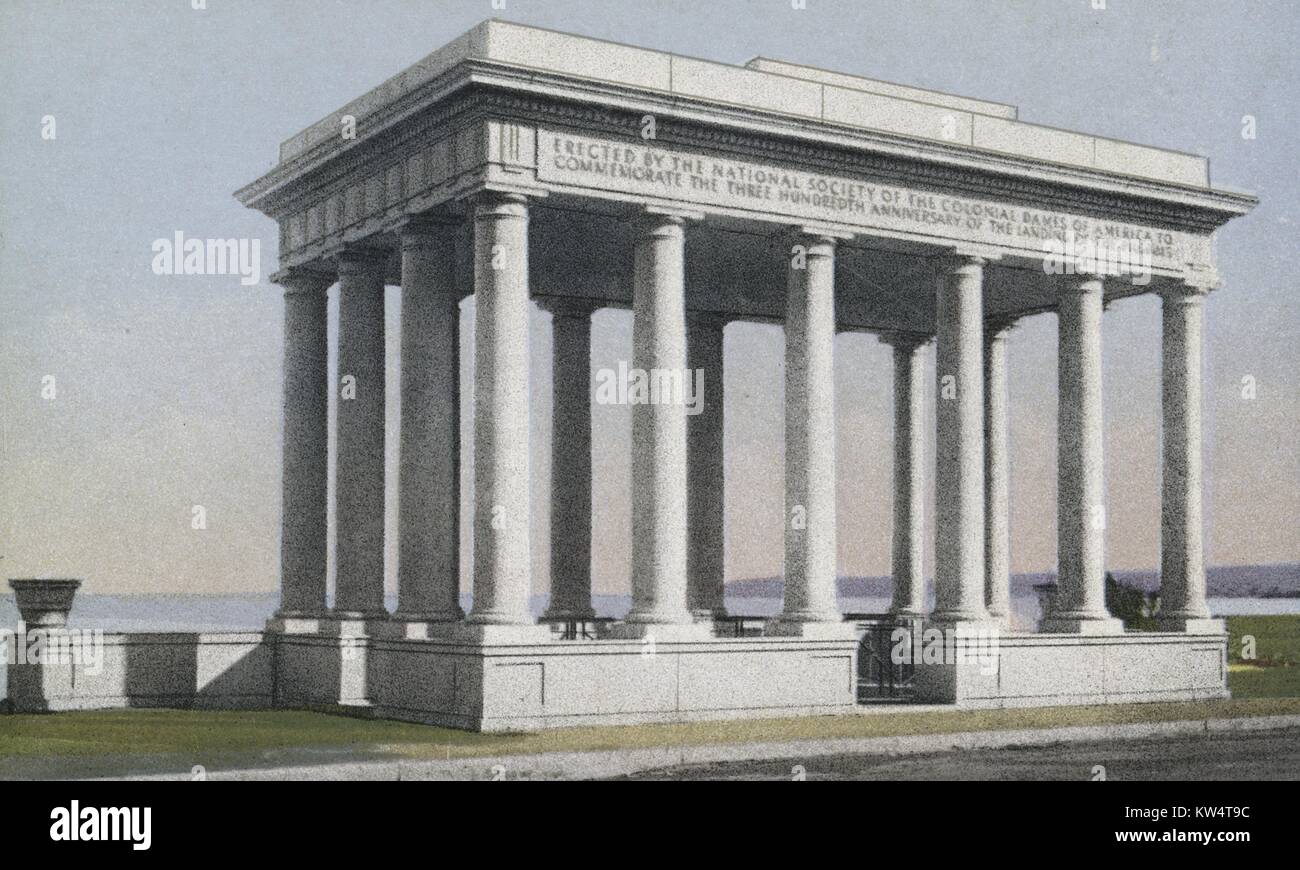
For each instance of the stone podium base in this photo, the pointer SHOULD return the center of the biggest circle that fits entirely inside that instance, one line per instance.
(1038, 670)
(528, 679)
(530, 685)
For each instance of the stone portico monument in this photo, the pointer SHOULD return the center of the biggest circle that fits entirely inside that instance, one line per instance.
(519, 165)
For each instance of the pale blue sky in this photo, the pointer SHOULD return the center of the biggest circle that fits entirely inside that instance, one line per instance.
(168, 388)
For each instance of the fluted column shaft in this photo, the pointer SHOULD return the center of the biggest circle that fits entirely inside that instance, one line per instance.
(659, 427)
(428, 566)
(705, 453)
(1183, 604)
(502, 568)
(305, 466)
(570, 459)
(359, 454)
(959, 448)
(810, 570)
(1079, 604)
(909, 475)
(997, 533)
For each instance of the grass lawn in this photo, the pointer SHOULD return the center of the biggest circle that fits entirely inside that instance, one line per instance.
(1275, 670)
(115, 741)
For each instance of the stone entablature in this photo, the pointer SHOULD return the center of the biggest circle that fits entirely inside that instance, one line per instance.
(543, 159)
(452, 126)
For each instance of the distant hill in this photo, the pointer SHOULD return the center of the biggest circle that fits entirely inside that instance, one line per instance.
(1224, 581)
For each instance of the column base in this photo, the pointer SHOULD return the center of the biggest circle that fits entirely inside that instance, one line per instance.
(952, 617)
(420, 626)
(296, 622)
(669, 632)
(565, 613)
(1073, 623)
(354, 624)
(812, 629)
(709, 615)
(1192, 624)
(487, 633)
(983, 627)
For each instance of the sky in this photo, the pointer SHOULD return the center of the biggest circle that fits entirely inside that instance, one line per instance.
(129, 398)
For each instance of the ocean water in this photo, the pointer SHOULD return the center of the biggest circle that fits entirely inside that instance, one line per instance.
(198, 613)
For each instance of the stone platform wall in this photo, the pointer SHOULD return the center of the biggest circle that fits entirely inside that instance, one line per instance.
(1037, 670)
(547, 685)
(500, 687)
(219, 670)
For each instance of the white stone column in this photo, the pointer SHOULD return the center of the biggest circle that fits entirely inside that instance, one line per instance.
(909, 473)
(659, 433)
(359, 453)
(997, 531)
(570, 458)
(706, 510)
(1079, 605)
(810, 606)
(959, 446)
(428, 564)
(305, 466)
(502, 566)
(1182, 568)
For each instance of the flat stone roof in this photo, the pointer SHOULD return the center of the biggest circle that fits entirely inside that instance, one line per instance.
(883, 88)
(776, 87)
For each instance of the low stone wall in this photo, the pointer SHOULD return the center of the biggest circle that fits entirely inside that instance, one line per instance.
(219, 670)
(1063, 669)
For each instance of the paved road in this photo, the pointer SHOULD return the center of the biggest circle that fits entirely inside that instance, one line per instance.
(1264, 755)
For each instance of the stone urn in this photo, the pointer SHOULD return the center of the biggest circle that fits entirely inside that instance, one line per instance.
(44, 603)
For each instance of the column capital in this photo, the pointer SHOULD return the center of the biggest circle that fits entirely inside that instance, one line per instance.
(499, 204)
(821, 234)
(717, 319)
(360, 260)
(671, 212)
(416, 228)
(819, 242)
(960, 261)
(1081, 284)
(1187, 294)
(904, 340)
(999, 325)
(662, 221)
(299, 280)
(569, 306)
